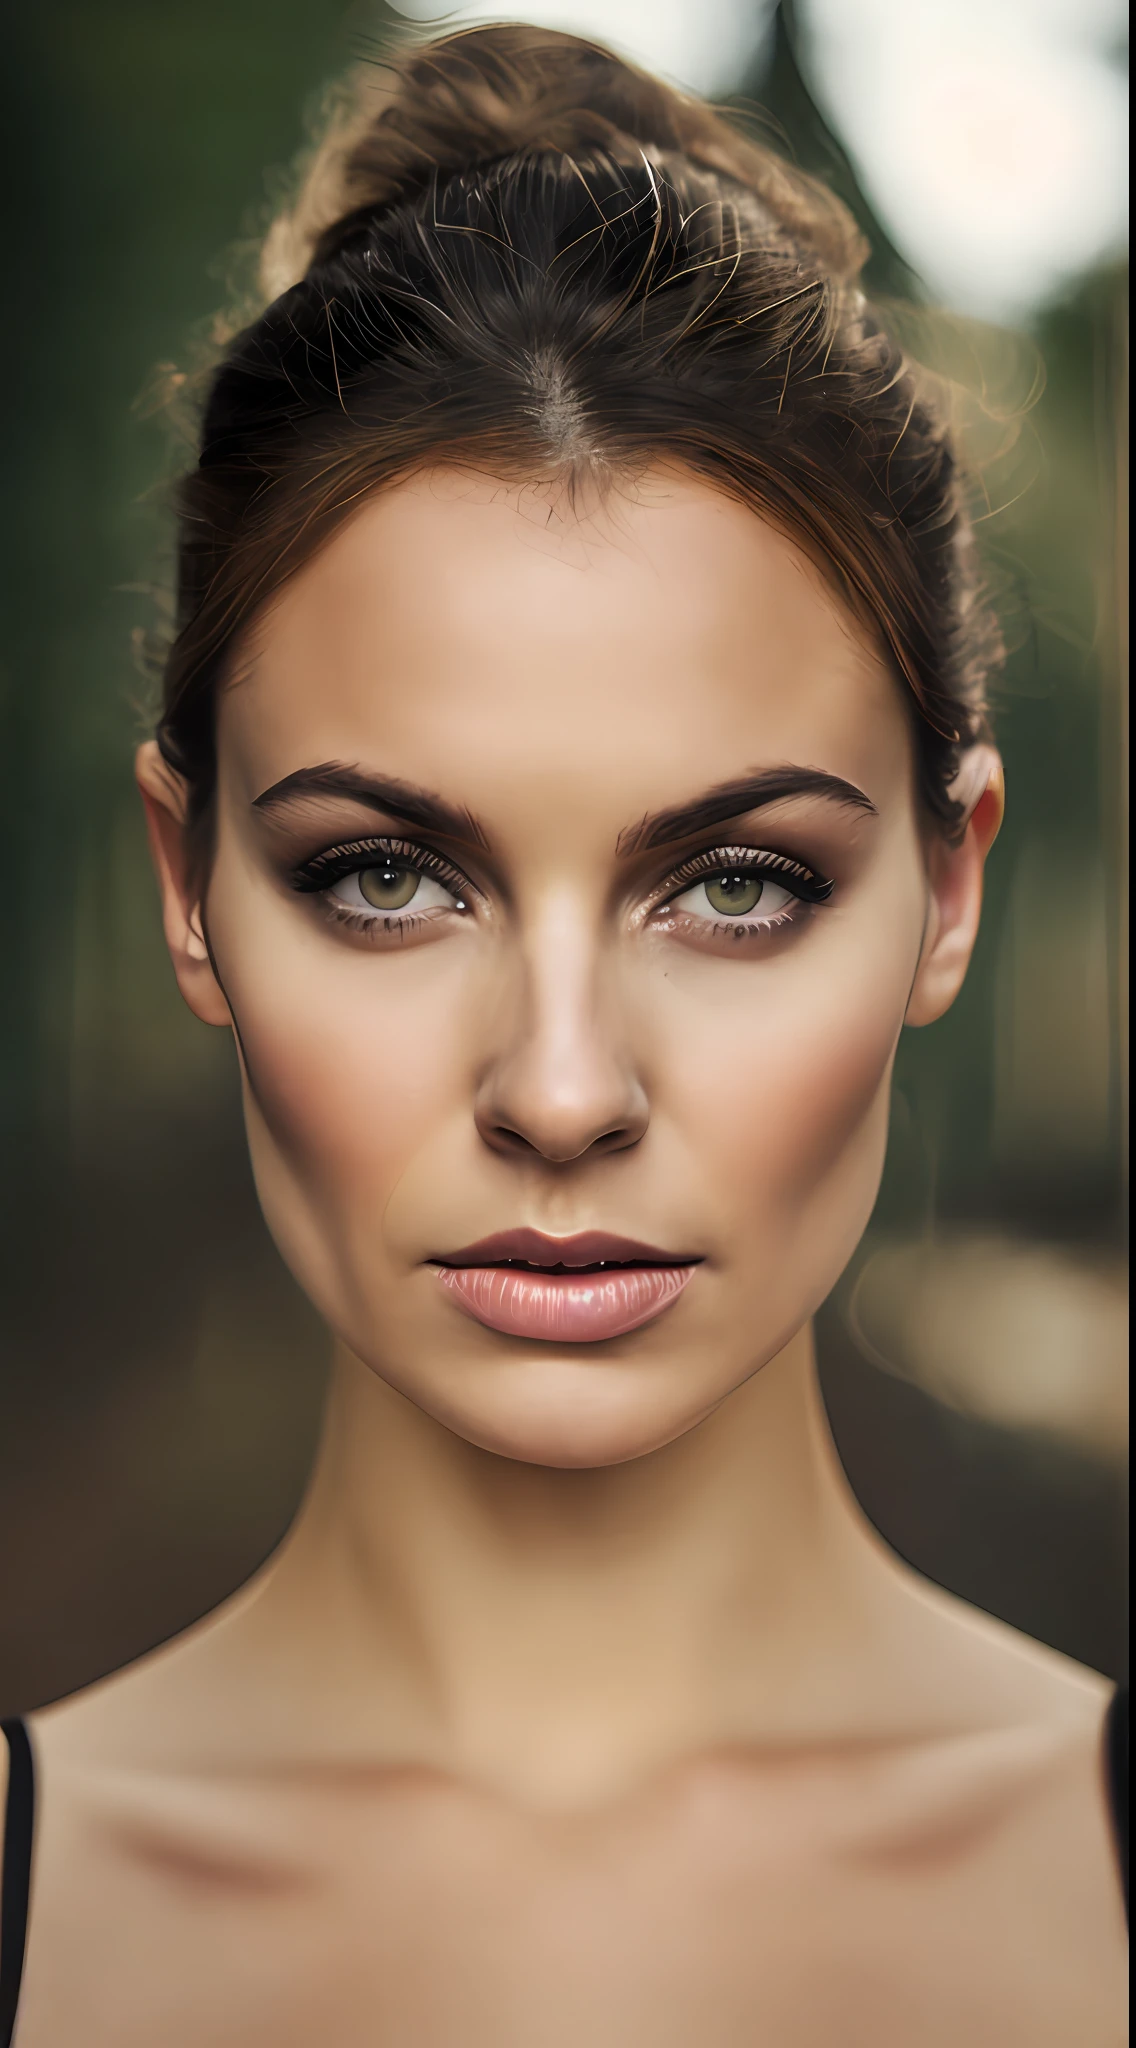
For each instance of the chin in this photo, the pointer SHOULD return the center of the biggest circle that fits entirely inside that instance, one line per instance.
(564, 1413)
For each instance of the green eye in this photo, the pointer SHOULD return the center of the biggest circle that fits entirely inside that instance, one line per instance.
(388, 887)
(734, 894)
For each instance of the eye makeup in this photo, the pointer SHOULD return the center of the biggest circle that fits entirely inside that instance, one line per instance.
(728, 895)
(357, 856)
(366, 885)
(383, 887)
(803, 882)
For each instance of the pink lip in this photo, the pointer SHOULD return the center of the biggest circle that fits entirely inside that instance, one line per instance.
(557, 1303)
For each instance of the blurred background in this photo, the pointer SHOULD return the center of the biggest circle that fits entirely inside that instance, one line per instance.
(161, 1377)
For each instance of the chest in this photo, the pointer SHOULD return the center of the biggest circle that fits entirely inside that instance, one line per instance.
(423, 1920)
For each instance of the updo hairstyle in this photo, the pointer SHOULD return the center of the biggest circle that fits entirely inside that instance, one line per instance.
(518, 253)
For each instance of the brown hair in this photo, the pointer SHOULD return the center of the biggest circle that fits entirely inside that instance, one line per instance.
(516, 251)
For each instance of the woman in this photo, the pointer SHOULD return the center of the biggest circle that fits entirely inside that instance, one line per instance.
(572, 775)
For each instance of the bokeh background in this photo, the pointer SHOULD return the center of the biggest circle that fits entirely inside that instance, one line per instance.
(161, 1377)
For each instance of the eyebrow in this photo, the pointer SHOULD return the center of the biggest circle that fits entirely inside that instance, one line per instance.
(384, 793)
(731, 799)
(432, 813)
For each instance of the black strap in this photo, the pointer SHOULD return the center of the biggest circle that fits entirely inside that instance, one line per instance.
(19, 1827)
(1116, 1768)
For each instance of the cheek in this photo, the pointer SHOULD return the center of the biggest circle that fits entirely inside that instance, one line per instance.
(830, 1115)
(350, 1062)
(790, 1096)
(339, 1107)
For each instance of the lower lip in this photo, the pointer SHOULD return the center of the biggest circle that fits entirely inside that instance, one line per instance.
(565, 1308)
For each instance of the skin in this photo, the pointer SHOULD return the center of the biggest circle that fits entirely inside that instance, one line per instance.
(581, 1704)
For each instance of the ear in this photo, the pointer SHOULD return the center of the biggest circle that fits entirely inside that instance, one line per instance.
(955, 869)
(164, 799)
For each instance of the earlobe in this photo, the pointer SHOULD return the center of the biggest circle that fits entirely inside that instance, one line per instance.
(955, 873)
(164, 799)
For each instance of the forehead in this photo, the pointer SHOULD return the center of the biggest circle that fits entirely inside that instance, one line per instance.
(503, 645)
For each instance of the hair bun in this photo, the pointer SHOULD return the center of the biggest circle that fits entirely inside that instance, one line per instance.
(486, 93)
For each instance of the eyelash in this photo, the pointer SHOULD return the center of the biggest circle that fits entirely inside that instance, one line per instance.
(319, 875)
(801, 883)
(804, 882)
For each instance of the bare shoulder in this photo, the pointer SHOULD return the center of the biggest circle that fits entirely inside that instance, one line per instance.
(963, 1667)
(1015, 1731)
(158, 1711)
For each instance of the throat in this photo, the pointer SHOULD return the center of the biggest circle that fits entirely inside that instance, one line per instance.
(493, 1605)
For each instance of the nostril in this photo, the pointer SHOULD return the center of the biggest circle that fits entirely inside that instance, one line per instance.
(505, 1139)
(560, 1152)
(621, 1139)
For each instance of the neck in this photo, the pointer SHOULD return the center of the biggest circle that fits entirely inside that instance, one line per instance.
(596, 1617)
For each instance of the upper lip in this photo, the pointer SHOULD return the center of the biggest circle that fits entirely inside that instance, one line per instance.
(586, 1248)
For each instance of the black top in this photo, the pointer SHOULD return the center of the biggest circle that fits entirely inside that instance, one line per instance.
(19, 1822)
(19, 1825)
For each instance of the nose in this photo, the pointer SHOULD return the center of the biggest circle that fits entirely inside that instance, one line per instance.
(561, 1080)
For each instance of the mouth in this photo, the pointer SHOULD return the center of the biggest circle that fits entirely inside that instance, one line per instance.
(584, 1289)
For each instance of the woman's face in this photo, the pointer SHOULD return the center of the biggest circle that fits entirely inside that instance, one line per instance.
(568, 881)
